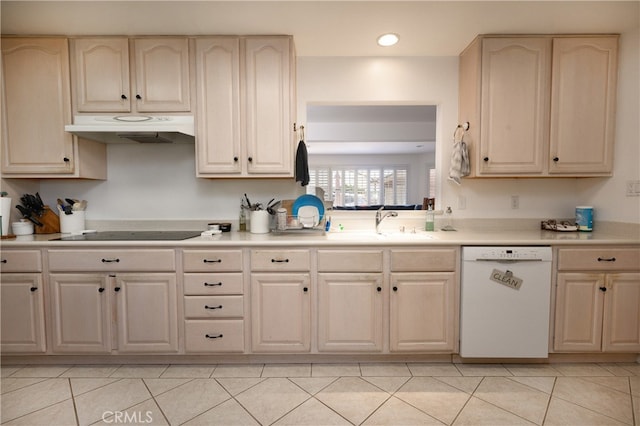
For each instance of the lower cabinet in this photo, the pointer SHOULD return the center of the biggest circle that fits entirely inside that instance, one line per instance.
(143, 308)
(350, 314)
(597, 300)
(22, 313)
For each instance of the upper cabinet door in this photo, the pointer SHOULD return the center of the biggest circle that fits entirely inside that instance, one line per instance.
(268, 107)
(515, 105)
(583, 105)
(162, 74)
(100, 69)
(217, 63)
(36, 105)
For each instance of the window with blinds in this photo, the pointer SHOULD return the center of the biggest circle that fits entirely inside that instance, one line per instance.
(361, 186)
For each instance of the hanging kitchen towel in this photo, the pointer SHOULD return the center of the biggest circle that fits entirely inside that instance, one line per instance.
(459, 157)
(302, 164)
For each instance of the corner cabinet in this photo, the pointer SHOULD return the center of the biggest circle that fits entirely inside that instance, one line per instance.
(156, 79)
(598, 300)
(246, 106)
(539, 106)
(35, 90)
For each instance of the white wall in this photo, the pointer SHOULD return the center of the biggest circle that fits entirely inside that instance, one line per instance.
(158, 181)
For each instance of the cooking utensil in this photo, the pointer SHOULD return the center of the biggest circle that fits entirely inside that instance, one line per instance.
(28, 214)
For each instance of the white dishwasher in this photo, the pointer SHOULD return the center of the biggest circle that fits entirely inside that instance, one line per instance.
(505, 301)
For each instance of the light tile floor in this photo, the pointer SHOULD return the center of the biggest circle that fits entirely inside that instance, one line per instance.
(322, 394)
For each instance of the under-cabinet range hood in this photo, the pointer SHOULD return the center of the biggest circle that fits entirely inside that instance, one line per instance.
(134, 128)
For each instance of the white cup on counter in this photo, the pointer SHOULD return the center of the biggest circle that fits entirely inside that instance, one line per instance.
(259, 222)
(72, 223)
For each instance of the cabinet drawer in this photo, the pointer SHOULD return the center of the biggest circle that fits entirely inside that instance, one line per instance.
(350, 260)
(214, 336)
(280, 260)
(212, 260)
(21, 261)
(205, 284)
(159, 260)
(213, 306)
(424, 260)
(599, 259)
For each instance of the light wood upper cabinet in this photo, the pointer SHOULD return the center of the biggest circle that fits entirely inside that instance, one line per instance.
(131, 75)
(246, 106)
(539, 106)
(583, 105)
(36, 105)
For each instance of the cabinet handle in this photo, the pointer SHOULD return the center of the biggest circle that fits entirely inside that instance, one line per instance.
(66, 159)
(117, 289)
(212, 261)
(305, 289)
(213, 307)
(33, 288)
(213, 284)
(603, 289)
(395, 288)
(101, 289)
(250, 159)
(138, 97)
(3, 261)
(556, 159)
(235, 159)
(123, 97)
(279, 260)
(209, 336)
(486, 159)
(116, 260)
(606, 259)
(379, 289)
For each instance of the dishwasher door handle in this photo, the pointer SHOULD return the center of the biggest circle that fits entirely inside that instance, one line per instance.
(508, 260)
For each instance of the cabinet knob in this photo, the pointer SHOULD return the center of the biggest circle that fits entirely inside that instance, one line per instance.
(101, 289)
(66, 159)
(235, 159)
(117, 289)
(33, 288)
(395, 288)
(485, 159)
(603, 289)
(138, 97)
(123, 97)
(379, 289)
(250, 159)
(305, 289)
(556, 159)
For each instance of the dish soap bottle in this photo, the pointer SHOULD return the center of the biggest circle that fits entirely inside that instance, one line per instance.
(242, 221)
(429, 225)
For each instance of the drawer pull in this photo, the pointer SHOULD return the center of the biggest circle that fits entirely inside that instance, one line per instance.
(33, 288)
(116, 260)
(210, 336)
(213, 284)
(279, 260)
(213, 307)
(212, 261)
(606, 259)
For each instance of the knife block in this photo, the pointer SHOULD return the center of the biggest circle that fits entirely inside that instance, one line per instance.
(50, 222)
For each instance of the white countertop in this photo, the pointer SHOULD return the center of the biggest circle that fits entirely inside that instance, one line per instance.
(485, 236)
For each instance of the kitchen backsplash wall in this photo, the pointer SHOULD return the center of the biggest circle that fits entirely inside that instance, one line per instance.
(158, 181)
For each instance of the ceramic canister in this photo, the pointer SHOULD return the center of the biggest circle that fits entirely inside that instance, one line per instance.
(584, 218)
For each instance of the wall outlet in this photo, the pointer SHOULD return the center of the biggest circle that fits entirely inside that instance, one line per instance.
(515, 202)
(462, 202)
(633, 188)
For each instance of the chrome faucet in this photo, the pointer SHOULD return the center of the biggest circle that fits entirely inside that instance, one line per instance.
(380, 217)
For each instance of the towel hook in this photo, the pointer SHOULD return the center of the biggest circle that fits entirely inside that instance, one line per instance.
(301, 133)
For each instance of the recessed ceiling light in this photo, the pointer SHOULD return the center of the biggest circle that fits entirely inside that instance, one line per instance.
(388, 39)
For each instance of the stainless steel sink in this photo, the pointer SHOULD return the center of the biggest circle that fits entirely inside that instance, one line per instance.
(373, 236)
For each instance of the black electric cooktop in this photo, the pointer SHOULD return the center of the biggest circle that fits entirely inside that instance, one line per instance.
(132, 236)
